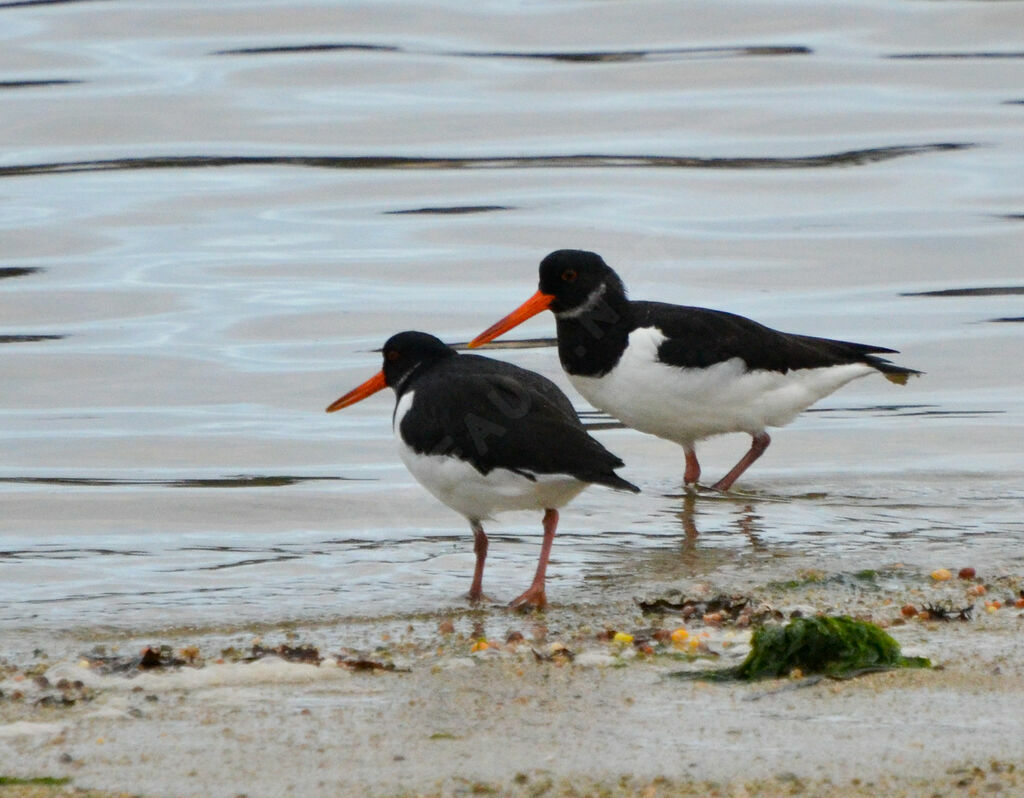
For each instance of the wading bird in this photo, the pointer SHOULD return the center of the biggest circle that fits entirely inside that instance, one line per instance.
(685, 373)
(484, 437)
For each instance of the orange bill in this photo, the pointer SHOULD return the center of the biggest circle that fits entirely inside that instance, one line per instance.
(531, 307)
(368, 388)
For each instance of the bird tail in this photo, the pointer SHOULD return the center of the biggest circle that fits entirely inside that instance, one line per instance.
(613, 480)
(891, 371)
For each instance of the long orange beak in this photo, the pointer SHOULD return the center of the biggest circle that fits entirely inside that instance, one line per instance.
(530, 308)
(368, 388)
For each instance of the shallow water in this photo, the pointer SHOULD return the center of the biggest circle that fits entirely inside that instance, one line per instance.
(211, 215)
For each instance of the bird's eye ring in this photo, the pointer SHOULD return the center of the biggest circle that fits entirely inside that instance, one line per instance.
(569, 276)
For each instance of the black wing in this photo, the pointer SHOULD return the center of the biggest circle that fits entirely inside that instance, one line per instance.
(529, 380)
(502, 416)
(700, 337)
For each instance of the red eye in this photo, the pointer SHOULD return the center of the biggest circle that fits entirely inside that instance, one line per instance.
(569, 276)
(392, 355)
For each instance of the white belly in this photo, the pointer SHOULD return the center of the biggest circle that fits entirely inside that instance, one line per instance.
(688, 404)
(479, 496)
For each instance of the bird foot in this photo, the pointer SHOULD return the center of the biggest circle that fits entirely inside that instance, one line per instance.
(532, 599)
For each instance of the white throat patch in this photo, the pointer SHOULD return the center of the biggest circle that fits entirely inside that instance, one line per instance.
(590, 303)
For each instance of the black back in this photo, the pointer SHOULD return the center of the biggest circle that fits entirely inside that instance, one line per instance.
(491, 414)
(594, 319)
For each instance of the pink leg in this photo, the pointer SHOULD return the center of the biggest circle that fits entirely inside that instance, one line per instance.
(534, 597)
(476, 591)
(692, 467)
(758, 444)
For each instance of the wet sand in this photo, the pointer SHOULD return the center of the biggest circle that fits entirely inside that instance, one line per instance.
(418, 712)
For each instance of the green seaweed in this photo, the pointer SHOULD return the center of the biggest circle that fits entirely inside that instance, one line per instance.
(803, 579)
(836, 646)
(866, 577)
(43, 781)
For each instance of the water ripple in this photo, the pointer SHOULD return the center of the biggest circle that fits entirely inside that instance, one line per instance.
(34, 84)
(958, 56)
(999, 290)
(17, 271)
(579, 161)
(572, 57)
(22, 3)
(27, 339)
(240, 481)
(450, 210)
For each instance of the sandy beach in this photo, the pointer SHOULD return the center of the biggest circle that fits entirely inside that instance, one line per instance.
(554, 704)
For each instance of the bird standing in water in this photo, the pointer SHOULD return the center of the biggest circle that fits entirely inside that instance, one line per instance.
(485, 437)
(685, 373)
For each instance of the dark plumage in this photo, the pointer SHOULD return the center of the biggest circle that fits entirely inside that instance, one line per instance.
(486, 436)
(699, 337)
(685, 373)
(497, 415)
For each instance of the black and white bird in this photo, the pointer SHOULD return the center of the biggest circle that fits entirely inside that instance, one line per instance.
(685, 373)
(484, 437)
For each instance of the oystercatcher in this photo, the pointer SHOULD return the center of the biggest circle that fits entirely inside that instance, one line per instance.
(685, 373)
(484, 437)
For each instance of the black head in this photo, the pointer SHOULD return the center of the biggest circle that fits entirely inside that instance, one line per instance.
(574, 276)
(405, 355)
(407, 352)
(573, 283)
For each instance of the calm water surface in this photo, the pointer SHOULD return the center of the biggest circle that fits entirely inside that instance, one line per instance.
(210, 214)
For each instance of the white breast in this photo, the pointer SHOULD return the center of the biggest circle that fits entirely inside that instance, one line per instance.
(688, 404)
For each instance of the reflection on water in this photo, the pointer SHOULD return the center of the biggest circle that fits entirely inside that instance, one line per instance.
(744, 525)
(734, 540)
(746, 522)
(206, 230)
